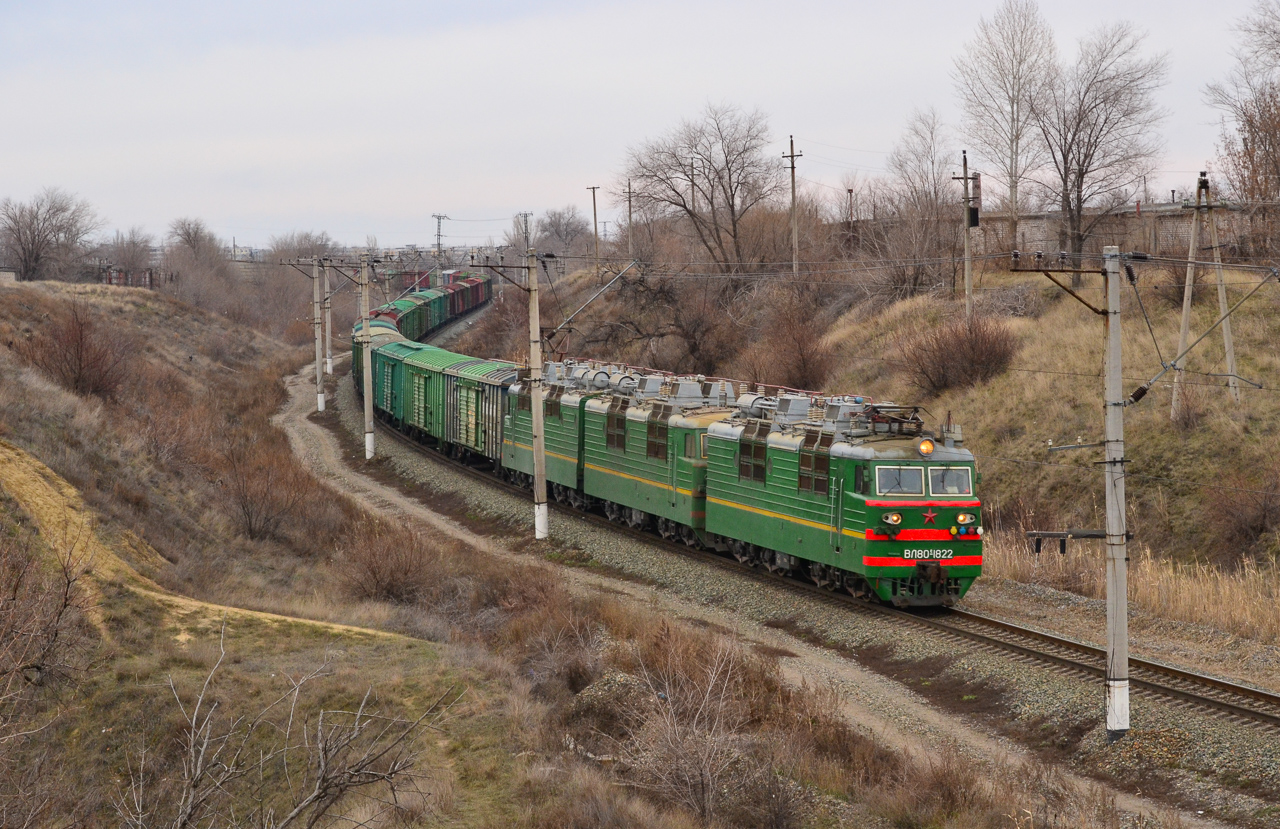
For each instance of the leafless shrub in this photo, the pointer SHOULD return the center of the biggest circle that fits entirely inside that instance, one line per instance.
(1011, 301)
(81, 353)
(387, 563)
(261, 482)
(688, 735)
(959, 354)
(41, 609)
(283, 766)
(45, 643)
(1245, 511)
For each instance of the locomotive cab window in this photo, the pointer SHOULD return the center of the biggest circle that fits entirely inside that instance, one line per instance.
(689, 444)
(950, 480)
(703, 441)
(899, 480)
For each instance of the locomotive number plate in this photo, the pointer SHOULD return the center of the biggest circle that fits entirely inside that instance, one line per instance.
(928, 554)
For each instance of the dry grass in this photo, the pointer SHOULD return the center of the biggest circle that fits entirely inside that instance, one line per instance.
(1241, 601)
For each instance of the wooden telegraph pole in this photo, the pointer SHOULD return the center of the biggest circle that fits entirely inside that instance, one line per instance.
(366, 356)
(970, 221)
(795, 224)
(317, 324)
(541, 523)
(595, 229)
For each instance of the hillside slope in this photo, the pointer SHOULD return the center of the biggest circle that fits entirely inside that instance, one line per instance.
(1185, 478)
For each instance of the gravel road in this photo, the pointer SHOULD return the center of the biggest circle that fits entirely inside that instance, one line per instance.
(992, 706)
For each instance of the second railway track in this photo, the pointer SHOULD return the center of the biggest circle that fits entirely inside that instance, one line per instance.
(1241, 703)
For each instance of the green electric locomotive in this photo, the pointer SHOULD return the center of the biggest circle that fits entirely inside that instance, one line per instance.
(853, 494)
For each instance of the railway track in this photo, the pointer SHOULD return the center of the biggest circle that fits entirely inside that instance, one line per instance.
(1238, 703)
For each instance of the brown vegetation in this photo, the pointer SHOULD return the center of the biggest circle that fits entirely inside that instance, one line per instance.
(82, 352)
(958, 354)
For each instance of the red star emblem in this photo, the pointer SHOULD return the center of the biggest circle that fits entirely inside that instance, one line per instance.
(929, 515)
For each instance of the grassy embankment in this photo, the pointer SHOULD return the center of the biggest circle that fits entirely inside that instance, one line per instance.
(1203, 491)
(198, 505)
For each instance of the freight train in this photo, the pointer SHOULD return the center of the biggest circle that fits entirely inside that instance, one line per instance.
(853, 494)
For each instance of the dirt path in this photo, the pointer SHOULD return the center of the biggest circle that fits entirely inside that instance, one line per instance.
(904, 721)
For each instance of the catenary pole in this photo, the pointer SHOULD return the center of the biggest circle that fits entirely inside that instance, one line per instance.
(541, 528)
(317, 324)
(366, 356)
(1117, 676)
(328, 323)
(630, 245)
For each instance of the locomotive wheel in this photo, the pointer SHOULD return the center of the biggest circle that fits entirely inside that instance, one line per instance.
(741, 551)
(688, 536)
(613, 512)
(667, 528)
(637, 519)
(558, 492)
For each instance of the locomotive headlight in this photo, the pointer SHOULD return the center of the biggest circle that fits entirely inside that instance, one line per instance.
(894, 518)
(926, 447)
(965, 518)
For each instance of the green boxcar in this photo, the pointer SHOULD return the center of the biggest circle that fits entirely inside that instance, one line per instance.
(425, 396)
(474, 392)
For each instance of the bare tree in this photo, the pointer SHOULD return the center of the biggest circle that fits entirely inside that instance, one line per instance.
(195, 236)
(918, 227)
(1096, 118)
(563, 231)
(130, 251)
(711, 173)
(1249, 98)
(47, 235)
(1002, 70)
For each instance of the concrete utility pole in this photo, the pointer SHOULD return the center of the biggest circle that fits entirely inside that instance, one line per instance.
(328, 322)
(366, 356)
(968, 255)
(630, 246)
(317, 325)
(1117, 677)
(1228, 343)
(541, 523)
(1184, 333)
(595, 224)
(795, 225)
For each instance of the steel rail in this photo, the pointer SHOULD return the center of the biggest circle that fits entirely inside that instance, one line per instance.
(861, 605)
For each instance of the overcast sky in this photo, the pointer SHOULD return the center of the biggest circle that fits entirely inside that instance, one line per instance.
(365, 119)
